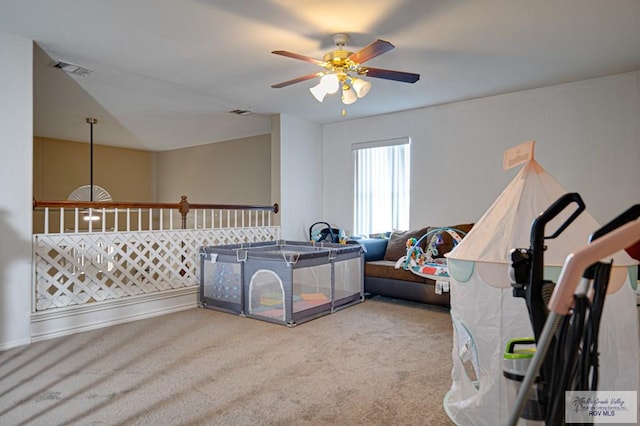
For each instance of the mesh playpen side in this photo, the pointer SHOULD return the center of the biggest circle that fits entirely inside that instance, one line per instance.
(285, 282)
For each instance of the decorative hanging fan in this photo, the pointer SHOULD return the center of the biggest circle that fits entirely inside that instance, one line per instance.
(343, 70)
(83, 193)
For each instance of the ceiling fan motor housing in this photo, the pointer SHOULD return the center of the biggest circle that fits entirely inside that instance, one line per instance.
(340, 39)
(338, 62)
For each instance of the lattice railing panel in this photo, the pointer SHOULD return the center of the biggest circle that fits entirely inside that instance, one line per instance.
(80, 268)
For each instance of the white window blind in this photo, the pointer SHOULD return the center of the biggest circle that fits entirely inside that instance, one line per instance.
(381, 186)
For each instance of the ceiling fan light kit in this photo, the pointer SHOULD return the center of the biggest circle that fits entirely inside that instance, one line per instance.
(360, 86)
(349, 95)
(318, 92)
(330, 83)
(343, 70)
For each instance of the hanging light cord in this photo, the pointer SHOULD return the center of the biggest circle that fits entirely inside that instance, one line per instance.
(91, 122)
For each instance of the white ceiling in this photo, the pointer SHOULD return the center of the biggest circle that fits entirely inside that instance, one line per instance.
(167, 72)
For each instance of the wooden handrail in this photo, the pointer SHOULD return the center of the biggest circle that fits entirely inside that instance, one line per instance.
(110, 207)
(274, 208)
(38, 204)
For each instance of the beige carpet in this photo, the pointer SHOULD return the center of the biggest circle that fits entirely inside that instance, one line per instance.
(381, 362)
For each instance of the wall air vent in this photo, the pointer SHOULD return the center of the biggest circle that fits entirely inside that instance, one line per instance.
(71, 68)
(241, 112)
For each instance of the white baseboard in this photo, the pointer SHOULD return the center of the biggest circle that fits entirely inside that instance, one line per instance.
(75, 319)
(14, 344)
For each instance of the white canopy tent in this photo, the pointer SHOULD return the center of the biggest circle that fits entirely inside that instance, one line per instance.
(486, 315)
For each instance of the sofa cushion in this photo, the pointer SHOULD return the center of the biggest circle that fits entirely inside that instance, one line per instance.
(386, 269)
(397, 245)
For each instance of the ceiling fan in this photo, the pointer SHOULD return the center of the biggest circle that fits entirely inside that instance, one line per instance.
(343, 70)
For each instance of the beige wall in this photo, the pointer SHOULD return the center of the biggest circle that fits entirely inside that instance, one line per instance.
(230, 172)
(59, 167)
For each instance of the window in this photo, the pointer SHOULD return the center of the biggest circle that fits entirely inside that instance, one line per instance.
(381, 180)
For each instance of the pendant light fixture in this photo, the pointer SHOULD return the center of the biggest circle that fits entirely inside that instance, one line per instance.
(90, 192)
(91, 121)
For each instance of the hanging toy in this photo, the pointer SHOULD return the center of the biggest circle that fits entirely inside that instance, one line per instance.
(414, 252)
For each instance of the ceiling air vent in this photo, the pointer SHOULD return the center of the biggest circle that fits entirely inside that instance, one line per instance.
(241, 112)
(71, 68)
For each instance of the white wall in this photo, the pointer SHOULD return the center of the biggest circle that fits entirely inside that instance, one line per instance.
(300, 171)
(587, 133)
(275, 165)
(16, 171)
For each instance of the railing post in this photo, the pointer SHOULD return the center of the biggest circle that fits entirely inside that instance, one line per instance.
(184, 210)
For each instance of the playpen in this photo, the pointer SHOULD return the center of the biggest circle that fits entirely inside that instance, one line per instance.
(286, 282)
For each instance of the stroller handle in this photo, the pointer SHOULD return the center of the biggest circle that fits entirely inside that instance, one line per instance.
(576, 263)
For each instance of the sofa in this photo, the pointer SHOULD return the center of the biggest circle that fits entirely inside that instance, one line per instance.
(382, 278)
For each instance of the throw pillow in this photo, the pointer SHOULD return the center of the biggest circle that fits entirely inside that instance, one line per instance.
(397, 245)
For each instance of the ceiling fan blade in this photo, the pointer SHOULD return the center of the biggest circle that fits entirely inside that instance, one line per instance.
(298, 56)
(295, 80)
(374, 49)
(405, 77)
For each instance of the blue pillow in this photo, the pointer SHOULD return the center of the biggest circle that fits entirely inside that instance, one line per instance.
(374, 248)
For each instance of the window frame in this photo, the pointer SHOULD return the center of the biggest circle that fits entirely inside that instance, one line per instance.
(401, 179)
